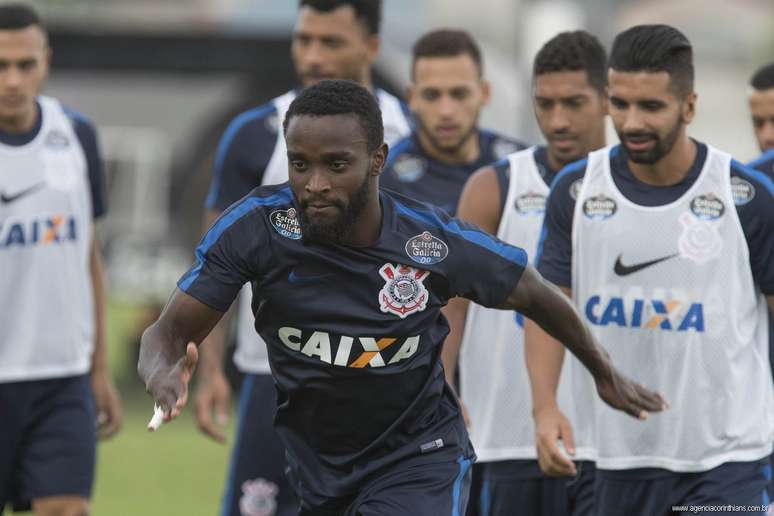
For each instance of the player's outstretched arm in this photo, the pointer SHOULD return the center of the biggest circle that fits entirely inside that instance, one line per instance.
(212, 399)
(546, 305)
(168, 352)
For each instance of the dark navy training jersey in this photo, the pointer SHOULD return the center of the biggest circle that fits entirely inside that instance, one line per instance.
(753, 195)
(412, 172)
(354, 333)
(764, 163)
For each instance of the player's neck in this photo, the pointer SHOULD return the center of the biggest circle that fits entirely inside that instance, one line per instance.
(20, 124)
(670, 169)
(366, 229)
(466, 153)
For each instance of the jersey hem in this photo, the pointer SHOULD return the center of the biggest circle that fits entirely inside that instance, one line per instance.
(682, 466)
(527, 453)
(45, 373)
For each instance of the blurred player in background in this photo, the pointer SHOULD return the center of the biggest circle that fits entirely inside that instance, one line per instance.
(671, 265)
(332, 39)
(354, 333)
(762, 112)
(508, 199)
(56, 394)
(446, 96)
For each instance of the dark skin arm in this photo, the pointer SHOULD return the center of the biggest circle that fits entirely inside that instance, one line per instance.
(550, 309)
(168, 350)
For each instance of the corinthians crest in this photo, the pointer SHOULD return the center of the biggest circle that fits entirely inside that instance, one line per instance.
(404, 292)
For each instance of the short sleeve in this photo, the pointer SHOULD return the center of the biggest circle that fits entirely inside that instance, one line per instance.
(230, 254)
(755, 207)
(554, 254)
(87, 137)
(484, 268)
(242, 156)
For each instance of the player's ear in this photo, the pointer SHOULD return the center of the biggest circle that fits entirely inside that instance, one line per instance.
(378, 159)
(604, 102)
(689, 107)
(486, 91)
(373, 43)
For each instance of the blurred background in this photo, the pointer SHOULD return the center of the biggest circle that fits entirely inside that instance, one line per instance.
(162, 78)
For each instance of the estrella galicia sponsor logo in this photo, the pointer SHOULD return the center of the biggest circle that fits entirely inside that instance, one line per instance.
(426, 249)
(404, 292)
(37, 231)
(56, 139)
(742, 190)
(599, 207)
(707, 207)
(285, 222)
(531, 203)
(575, 189)
(651, 314)
(409, 168)
(346, 351)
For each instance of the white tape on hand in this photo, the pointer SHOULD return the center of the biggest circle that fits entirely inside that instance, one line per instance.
(156, 420)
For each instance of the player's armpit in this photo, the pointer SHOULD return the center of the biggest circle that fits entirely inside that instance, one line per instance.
(545, 304)
(165, 365)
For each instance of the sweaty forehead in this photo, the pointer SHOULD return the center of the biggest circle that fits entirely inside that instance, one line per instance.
(445, 70)
(567, 83)
(640, 84)
(29, 39)
(326, 133)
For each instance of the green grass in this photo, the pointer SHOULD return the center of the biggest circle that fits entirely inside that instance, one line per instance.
(173, 471)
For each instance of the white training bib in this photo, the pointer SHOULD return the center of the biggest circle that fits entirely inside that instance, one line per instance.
(669, 293)
(46, 309)
(251, 355)
(493, 374)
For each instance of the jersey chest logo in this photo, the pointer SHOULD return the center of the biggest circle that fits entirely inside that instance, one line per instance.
(404, 292)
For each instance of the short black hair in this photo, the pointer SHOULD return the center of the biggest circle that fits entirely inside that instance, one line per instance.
(18, 16)
(573, 51)
(763, 78)
(369, 12)
(340, 97)
(447, 43)
(655, 48)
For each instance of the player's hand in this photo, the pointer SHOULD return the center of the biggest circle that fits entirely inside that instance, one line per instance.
(167, 382)
(212, 398)
(628, 396)
(550, 427)
(108, 403)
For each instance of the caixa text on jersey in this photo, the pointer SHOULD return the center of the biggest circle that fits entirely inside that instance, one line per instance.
(37, 230)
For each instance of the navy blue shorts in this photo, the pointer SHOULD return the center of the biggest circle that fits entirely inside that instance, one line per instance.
(429, 485)
(519, 487)
(658, 492)
(256, 479)
(48, 440)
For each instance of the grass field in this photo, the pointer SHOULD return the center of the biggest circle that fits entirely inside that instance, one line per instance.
(176, 471)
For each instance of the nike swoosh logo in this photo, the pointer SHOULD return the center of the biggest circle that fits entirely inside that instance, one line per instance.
(624, 270)
(299, 280)
(7, 199)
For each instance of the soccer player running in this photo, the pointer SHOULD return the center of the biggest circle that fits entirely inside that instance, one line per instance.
(332, 39)
(673, 272)
(56, 394)
(349, 281)
(507, 199)
(762, 111)
(446, 96)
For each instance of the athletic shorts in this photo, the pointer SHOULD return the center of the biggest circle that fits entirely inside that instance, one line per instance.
(47, 440)
(519, 487)
(430, 485)
(733, 488)
(256, 482)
